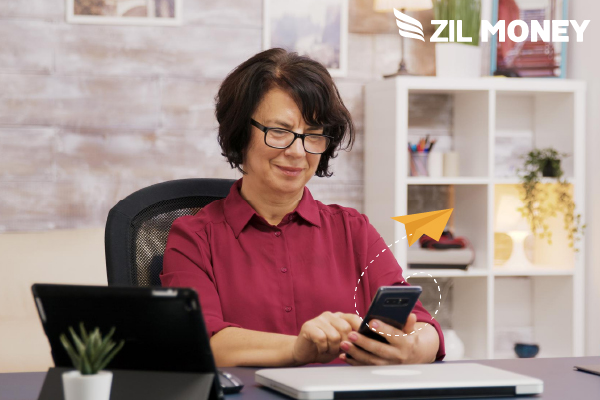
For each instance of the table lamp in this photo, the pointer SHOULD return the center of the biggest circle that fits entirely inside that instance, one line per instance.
(403, 6)
(509, 220)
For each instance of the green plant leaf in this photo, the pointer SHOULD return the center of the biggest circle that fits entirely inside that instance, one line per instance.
(78, 343)
(88, 355)
(75, 359)
(84, 335)
(86, 366)
(110, 356)
(102, 356)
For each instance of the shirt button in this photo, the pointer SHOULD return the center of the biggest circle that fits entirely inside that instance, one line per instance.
(290, 217)
(288, 309)
(284, 270)
(277, 233)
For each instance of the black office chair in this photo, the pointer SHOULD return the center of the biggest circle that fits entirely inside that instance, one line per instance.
(138, 226)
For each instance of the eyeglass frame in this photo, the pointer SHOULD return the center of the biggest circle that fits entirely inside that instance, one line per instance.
(300, 136)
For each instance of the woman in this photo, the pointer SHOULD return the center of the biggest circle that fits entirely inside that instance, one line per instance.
(276, 271)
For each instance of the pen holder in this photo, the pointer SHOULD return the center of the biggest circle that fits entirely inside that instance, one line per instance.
(418, 164)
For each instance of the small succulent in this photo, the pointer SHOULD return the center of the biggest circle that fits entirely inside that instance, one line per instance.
(90, 352)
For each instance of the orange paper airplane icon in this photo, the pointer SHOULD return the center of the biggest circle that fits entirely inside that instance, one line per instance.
(430, 223)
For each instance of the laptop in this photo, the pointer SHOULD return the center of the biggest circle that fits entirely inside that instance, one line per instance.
(163, 328)
(438, 380)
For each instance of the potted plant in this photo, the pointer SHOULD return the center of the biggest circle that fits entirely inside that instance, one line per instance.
(537, 205)
(458, 59)
(90, 354)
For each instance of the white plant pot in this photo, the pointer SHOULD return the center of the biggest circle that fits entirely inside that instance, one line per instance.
(456, 60)
(87, 387)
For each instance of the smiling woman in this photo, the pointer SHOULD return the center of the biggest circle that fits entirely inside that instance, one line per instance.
(276, 270)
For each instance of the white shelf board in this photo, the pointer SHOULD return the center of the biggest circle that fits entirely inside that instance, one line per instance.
(502, 85)
(444, 273)
(517, 181)
(459, 180)
(533, 272)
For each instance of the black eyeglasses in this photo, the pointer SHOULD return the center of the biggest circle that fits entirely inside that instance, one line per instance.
(279, 138)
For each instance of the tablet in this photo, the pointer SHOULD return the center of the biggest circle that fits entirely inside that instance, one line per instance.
(163, 328)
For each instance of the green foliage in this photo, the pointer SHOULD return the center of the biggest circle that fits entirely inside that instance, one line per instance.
(537, 205)
(90, 353)
(467, 11)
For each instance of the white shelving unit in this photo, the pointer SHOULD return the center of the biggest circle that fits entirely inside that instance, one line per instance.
(488, 300)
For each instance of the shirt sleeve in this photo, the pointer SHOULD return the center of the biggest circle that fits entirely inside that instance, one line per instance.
(387, 272)
(187, 263)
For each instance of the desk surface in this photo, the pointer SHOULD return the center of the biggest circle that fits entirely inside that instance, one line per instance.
(560, 380)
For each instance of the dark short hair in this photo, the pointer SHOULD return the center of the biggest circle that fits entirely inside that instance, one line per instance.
(307, 81)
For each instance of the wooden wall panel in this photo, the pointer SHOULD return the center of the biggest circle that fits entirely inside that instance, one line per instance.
(233, 13)
(188, 103)
(196, 51)
(26, 46)
(79, 101)
(47, 10)
(120, 155)
(27, 154)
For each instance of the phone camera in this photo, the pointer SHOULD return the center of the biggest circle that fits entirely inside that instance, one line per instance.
(395, 302)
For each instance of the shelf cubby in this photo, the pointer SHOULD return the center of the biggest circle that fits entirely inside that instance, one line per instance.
(521, 305)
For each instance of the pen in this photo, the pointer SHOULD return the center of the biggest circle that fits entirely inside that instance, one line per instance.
(432, 143)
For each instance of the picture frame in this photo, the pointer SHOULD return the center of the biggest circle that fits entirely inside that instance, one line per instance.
(314, 28)
(505, 60)
(125, 12)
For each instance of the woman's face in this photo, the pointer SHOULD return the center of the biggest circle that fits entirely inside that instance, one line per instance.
(281, 170)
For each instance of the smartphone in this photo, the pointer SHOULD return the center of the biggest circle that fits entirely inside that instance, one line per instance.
(391, 305)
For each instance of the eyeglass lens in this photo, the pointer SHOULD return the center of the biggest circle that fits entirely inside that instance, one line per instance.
(282, 139)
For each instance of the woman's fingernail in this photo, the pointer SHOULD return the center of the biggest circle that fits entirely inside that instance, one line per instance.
(343, 356)
(345, 345)
(374, 324)
(352, 336)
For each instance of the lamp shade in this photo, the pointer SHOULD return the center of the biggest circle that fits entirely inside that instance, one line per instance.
(408, 5)
(508, 218)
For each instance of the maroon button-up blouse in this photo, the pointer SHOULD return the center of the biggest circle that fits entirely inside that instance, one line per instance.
(253, 275)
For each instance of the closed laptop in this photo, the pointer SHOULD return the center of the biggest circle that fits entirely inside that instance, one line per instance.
(438, 380)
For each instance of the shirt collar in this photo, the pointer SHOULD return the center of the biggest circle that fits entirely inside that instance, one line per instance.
(238, 212)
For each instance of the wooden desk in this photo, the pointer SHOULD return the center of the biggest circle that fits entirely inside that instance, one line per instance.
(561, 382)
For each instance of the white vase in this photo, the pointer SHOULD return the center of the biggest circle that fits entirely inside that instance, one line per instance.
(87, 387)
(457, 60)
(455, 348)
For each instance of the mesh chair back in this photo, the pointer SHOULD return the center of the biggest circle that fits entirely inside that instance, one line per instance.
(138, 226)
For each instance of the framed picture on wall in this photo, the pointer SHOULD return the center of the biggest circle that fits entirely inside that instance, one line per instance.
(529, 58)
(124, 12)
(314, 28)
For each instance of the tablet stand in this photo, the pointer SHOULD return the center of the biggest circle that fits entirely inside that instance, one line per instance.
(147, 385)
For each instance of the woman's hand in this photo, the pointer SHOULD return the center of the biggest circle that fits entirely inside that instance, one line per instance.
(403, 348)
(319, 338)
